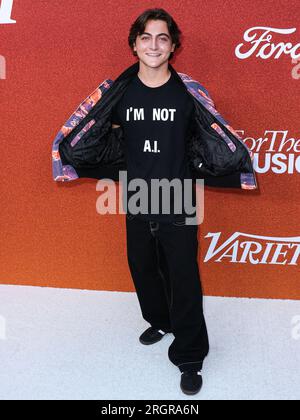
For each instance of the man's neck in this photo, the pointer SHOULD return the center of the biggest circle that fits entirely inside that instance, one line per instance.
(154, 77)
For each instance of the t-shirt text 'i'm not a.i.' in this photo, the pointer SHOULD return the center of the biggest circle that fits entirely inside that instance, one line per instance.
(155, 122)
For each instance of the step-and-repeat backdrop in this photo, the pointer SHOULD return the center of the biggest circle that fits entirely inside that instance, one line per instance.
(53, 54)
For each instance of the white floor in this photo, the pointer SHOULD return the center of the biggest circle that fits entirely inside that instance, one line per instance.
(71, 344)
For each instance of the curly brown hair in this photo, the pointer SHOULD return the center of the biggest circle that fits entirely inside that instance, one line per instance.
(138, 27)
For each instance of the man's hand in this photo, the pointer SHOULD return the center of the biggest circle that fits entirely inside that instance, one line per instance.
(115, 126)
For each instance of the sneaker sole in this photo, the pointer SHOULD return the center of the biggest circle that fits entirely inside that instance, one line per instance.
(190, 392)
(147, 343)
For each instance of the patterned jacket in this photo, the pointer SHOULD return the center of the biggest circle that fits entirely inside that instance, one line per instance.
(87, 147)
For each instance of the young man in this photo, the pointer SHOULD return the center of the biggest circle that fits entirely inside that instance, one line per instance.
(158, 115)
(162, 249)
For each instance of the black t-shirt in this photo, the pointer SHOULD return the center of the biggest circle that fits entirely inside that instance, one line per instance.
(155, 123)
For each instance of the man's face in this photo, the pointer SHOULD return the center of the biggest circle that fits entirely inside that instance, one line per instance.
(154, 46)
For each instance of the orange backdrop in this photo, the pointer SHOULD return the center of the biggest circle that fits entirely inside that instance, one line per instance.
(57, 53)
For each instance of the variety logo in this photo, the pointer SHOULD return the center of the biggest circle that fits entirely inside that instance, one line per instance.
(244, 248)
(258, 40)
(5, 17)
(6, 11)
(275, 152)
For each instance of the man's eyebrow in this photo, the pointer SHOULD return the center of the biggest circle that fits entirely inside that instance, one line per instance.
(147, 33)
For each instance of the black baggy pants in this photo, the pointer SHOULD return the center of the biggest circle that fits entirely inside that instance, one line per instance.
(162, 259)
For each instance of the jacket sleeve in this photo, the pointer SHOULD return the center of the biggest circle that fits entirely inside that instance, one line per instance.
(236, 179)
(228, 181)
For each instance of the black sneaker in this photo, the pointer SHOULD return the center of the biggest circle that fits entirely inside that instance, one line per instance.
(152, 335)
(191, 382)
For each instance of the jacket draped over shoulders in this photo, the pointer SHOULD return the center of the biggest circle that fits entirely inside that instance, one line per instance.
(87, 146)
